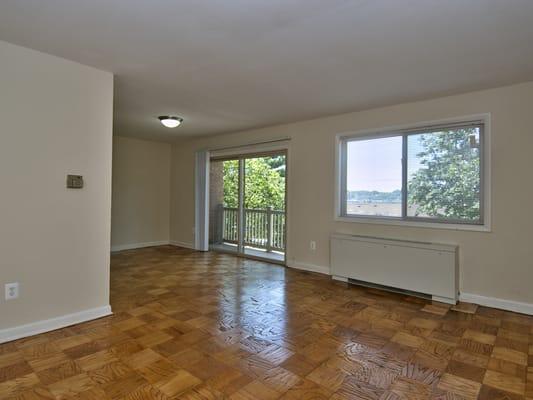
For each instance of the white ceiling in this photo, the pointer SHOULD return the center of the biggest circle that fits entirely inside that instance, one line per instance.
(226, 65)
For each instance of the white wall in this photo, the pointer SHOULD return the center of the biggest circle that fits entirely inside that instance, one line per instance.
(141, 193)
(55, 119)
(498, 264)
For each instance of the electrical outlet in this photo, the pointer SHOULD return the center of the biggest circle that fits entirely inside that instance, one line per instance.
(12, 290)
(312, 245)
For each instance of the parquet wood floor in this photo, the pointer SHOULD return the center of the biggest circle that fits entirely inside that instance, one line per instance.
(190, 325)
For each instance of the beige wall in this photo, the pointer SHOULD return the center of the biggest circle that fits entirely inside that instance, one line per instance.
(141, 197)
(497, 264)
(55, 118)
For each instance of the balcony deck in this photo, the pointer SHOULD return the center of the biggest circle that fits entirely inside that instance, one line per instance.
(276, 256)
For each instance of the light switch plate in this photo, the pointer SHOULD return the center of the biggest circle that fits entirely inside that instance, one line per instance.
(74, 181)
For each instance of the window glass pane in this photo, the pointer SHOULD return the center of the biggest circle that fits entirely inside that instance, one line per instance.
(443, 172)
(264, 182)
(374, 177)
(230, 183)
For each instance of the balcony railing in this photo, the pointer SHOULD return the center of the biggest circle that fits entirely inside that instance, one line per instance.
(263, 228)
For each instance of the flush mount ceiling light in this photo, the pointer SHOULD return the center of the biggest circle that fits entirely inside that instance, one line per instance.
(169, 121)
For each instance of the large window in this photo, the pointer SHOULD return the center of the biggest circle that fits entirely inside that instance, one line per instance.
(430, 174)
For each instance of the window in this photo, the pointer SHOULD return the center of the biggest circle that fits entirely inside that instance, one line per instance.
(432, 174)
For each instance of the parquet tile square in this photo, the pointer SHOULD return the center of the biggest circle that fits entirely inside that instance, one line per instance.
(71, 386)
(408, 339)
(351, 388)
(12, 371)
(505, 382)
(158, 370)
(467, 371)
(471, 358)
(511, 355)
(59, 372)
(475, 347)
(458, 385)
(307, 390)
(406, 388)
(71, 341)
(229, 381)
(203, 392)
(280, 379)
(479, 336)
(36, 393)
(118, 388)
(440, 309)
(255, 390)
(83, 350)
(11, 357)
(206, 368)
(190, 325)
(19, 384)
(490, 393)
(299, 365)
(186, 357)
(376, 375)
(512, 335)
(430, 360)
(344, 363)
(48, 362)
(96, 360)
(424, 323)
(180, 382)
(327, 377)
(142, 358)
(109, 373)
(419, 373)
(275, 354)
(507, 367)
(147, 392)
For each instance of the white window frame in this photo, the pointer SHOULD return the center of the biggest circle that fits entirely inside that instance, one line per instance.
(486, 192)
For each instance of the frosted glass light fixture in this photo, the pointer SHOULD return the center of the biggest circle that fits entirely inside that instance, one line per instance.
(170, 121)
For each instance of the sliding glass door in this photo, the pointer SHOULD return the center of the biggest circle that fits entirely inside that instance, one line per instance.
(248, 205)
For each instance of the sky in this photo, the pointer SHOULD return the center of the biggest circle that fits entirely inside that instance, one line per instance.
(376, 164)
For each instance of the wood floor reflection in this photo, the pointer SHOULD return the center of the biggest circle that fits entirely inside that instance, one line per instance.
(190, 325)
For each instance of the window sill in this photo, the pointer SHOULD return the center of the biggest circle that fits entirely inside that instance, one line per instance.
(414, 224)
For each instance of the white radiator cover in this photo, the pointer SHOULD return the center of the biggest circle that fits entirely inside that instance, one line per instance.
(427, 268)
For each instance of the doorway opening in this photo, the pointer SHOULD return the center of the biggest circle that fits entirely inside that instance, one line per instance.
(247, 205)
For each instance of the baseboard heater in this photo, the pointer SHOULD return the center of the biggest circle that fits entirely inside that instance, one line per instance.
(427, 269)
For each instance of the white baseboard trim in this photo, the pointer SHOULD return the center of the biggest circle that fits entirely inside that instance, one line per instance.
(46, 325)
(309, 267)
(187, 245)
(138, 245)
(502, 304)
(508, 305)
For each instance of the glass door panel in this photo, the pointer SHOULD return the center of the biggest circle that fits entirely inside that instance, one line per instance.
(264, 206)
(224, 224)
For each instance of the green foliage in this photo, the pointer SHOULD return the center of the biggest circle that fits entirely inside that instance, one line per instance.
(231, 183)
(448, 183)
(264, 183)
(277, 163)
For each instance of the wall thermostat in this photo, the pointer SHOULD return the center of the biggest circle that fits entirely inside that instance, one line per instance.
(74, 181)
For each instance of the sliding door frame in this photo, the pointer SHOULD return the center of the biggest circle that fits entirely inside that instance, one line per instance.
(241, 157)
(240, 209)
(201, 203)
